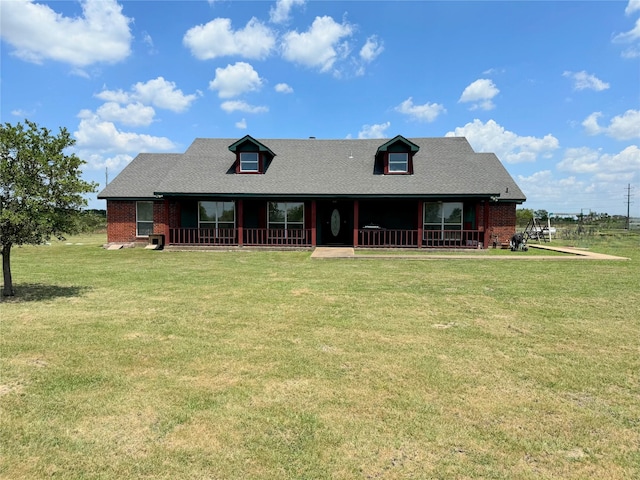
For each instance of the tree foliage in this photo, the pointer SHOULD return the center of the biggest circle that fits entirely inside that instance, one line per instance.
(41, 190)
(523, 216)
(541, 215)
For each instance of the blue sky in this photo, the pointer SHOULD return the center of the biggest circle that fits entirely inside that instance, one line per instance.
(551, 87)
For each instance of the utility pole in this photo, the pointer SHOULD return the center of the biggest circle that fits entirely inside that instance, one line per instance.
(106, 176)
(628, 195)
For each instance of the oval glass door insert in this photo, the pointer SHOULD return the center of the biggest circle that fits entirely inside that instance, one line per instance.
(335, 222)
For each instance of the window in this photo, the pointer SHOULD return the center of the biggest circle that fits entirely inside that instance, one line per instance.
(144, 219)
(398, 162)
(249, 162)
(217, 215)
(286, 215)
(444, 217)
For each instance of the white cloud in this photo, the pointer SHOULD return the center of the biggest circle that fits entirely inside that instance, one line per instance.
(320, 46)
(163, 94)
(371, 49)
(622, 127)
(240, 106)
(99, 162)
(235, 79)
(281, 12)
(494, 71)
(158, 92)
(586, 81)
(134, 114)
(597, 181)
(480, 93)
(427, 112)
(508, 146)
(22, 113)
(587, 160)
(95, 134)
(283, 88)
(146, 39)
(217, 39)
(579, 160)
(567, 194)
(117, 96)
(631, 53)
(590, 124)
(632, 6)
(38, 33)
(374, 131)
(242, 124)
(630, 36)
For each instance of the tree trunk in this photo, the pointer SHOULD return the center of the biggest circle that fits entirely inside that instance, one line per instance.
(7, 291)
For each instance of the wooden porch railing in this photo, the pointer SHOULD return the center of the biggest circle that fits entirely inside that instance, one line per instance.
(229, 236)
(370, 238)
(452, 238)
(203, 236)
(272, 236)
(380, 238)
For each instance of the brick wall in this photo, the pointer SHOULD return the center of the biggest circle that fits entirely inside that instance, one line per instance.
(502, 221)
(121, 220)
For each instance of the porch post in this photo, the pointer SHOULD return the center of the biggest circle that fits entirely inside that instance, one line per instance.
(420, 223)
(314, 233)
(356, 222)
(166, 219)
(487, 232)
(240, 226)
(479, 228)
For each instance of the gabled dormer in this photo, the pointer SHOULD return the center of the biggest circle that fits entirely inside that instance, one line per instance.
(396, 156)
(251, 155)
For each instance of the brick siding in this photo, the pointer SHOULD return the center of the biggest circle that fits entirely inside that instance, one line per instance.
(121, 220)
(502, 221)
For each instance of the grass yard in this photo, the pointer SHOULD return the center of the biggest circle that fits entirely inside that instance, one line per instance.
(264, 365)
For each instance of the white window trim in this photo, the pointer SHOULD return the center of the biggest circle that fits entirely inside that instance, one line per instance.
(143, 221)
(404, 162)
(257, 162)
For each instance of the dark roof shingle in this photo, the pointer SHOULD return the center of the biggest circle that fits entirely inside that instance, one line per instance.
(314, 167)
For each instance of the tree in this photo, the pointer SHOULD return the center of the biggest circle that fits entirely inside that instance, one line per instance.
(541, 215)
(523, 216)
(41, 192)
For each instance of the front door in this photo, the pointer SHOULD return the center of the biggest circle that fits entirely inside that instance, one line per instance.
(336, 222)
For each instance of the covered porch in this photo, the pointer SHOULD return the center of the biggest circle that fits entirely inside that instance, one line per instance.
(296, 222)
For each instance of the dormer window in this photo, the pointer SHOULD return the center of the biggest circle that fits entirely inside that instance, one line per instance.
(398, 162)
(251, 155)
(396, 157)
(249, 162)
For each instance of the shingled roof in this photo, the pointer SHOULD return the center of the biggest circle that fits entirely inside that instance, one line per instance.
(443, 167)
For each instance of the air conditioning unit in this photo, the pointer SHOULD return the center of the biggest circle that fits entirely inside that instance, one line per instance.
(156, 241)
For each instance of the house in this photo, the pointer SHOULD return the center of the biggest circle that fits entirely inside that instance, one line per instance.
(399, 192)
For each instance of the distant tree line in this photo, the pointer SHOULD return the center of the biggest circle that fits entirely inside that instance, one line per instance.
(92, 221)
(592, 220)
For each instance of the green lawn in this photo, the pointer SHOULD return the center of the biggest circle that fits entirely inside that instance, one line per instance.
(269, 365)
